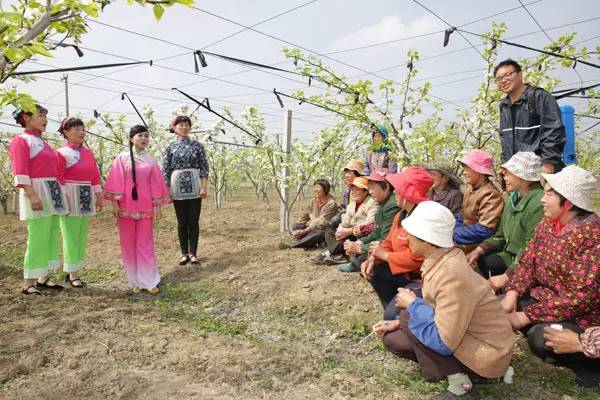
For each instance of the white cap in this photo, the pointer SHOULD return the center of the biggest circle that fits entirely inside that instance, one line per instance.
(524, 164)
(574, 184)
(432, 222)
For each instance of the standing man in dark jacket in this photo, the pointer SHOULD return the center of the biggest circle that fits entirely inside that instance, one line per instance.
(529, 119)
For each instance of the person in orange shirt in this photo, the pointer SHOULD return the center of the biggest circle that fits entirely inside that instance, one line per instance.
(391, 264)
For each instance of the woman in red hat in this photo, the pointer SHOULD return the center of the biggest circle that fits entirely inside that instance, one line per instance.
(186, 173)
(391, 264)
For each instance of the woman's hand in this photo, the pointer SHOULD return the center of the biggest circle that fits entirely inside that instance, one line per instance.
(366, 268)
(373, 246)
(203, 193)
(343, 233)
(518, 320)
(385, 326)
(352, 248)
(115, 209)
(356, 230)
(34, 200)
(473, 256)
(497, 282)
(381, 253)
(99, 202)
(405, 297)
(561, 342)
(509, 302)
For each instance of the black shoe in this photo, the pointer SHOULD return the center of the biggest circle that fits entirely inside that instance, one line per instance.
(318, 259)
(73, 282)
(587, 379)
(184, 260)
(194, 260)
(50, 286)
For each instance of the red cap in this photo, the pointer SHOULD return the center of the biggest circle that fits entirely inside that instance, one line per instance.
(412, 184)
(378, 175)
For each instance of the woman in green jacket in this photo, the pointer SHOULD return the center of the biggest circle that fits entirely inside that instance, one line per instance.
(497, 256)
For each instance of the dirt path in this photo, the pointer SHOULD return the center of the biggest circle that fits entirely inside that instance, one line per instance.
(251, 322)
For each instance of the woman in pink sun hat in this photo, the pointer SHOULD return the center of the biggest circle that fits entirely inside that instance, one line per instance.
(482, 202)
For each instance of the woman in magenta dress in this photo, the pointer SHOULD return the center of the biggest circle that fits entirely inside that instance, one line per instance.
(136, 188)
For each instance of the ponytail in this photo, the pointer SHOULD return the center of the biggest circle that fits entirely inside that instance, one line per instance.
(134, 131)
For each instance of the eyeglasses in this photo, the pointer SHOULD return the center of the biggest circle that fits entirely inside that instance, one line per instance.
(507, 75)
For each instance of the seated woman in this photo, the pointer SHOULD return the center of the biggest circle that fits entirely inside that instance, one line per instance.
(482, 204)
(383, 193)
(309, 232)
(446, 189)
(377, 155)
(458, 328)
(557, 279)
(391, 263)
(353, 169)
(497, 256)
(360, 213)
(575, 349)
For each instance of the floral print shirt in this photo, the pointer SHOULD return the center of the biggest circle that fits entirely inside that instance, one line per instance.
(562, 272)
(184, 153)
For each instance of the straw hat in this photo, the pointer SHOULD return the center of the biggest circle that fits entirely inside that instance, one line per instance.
(574, 184)
(524, 164)
(355, 165)
(432, 222)
(361, 182)
(446, 171)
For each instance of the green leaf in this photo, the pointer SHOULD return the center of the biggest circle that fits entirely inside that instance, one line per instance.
(159, 10)
(14, 55)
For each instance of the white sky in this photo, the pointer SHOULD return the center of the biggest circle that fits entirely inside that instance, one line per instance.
(324, 26)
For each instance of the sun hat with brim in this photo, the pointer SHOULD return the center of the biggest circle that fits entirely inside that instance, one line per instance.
(360, 182)
(446, 171)
(574, 184)
(378, 175)
(412, 184)
(525, 165)
(355, 165)
(432, 222)
(479, 161)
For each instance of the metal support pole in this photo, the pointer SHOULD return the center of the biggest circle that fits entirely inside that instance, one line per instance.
(284, 224)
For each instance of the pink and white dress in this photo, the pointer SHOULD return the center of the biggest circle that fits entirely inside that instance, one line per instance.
(136, 216)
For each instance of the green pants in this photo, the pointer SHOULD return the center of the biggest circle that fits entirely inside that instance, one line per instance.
(75, 233)
(42, 247)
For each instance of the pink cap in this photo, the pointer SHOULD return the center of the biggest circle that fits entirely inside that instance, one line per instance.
(378, 175)
(479, 161)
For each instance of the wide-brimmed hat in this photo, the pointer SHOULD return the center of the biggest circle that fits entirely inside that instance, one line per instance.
(360, 182)
(412, 184)
(432, 222)
(449, 173)
(479, 161)
(355, 165)
(574, 184)
(525, 165)
(378, 175)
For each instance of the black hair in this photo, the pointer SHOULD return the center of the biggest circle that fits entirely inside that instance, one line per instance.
(580, 212)
(132, 132)
(69, 123)
(179, 119)
(324, 184)
(508, 62)
(384, 185)
(356, 174)
(20, 113)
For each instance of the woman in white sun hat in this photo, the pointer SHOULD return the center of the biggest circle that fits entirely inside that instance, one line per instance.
(557, 279)
(497, 256)
(458, 328)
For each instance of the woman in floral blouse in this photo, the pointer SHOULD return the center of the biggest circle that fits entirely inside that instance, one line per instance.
(186, 173)
(557, 279)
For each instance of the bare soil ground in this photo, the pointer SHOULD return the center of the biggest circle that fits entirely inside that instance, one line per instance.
(251, 322)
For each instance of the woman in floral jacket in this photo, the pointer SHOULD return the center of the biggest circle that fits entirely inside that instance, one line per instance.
(557, 279)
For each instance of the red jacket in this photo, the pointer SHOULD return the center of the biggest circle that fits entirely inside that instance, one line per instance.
(400, 258)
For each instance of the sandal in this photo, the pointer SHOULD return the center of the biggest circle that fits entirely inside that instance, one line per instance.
(30, 290)
(153, 291)
(194, 260)
(72, 282)
(46, 285)
(184, 260)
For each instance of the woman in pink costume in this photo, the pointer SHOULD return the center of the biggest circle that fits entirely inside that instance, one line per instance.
(137, 190)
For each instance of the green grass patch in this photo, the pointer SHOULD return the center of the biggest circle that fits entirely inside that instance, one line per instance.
(98, 273)
(11, 257)
(212, 324)
(358, 326)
